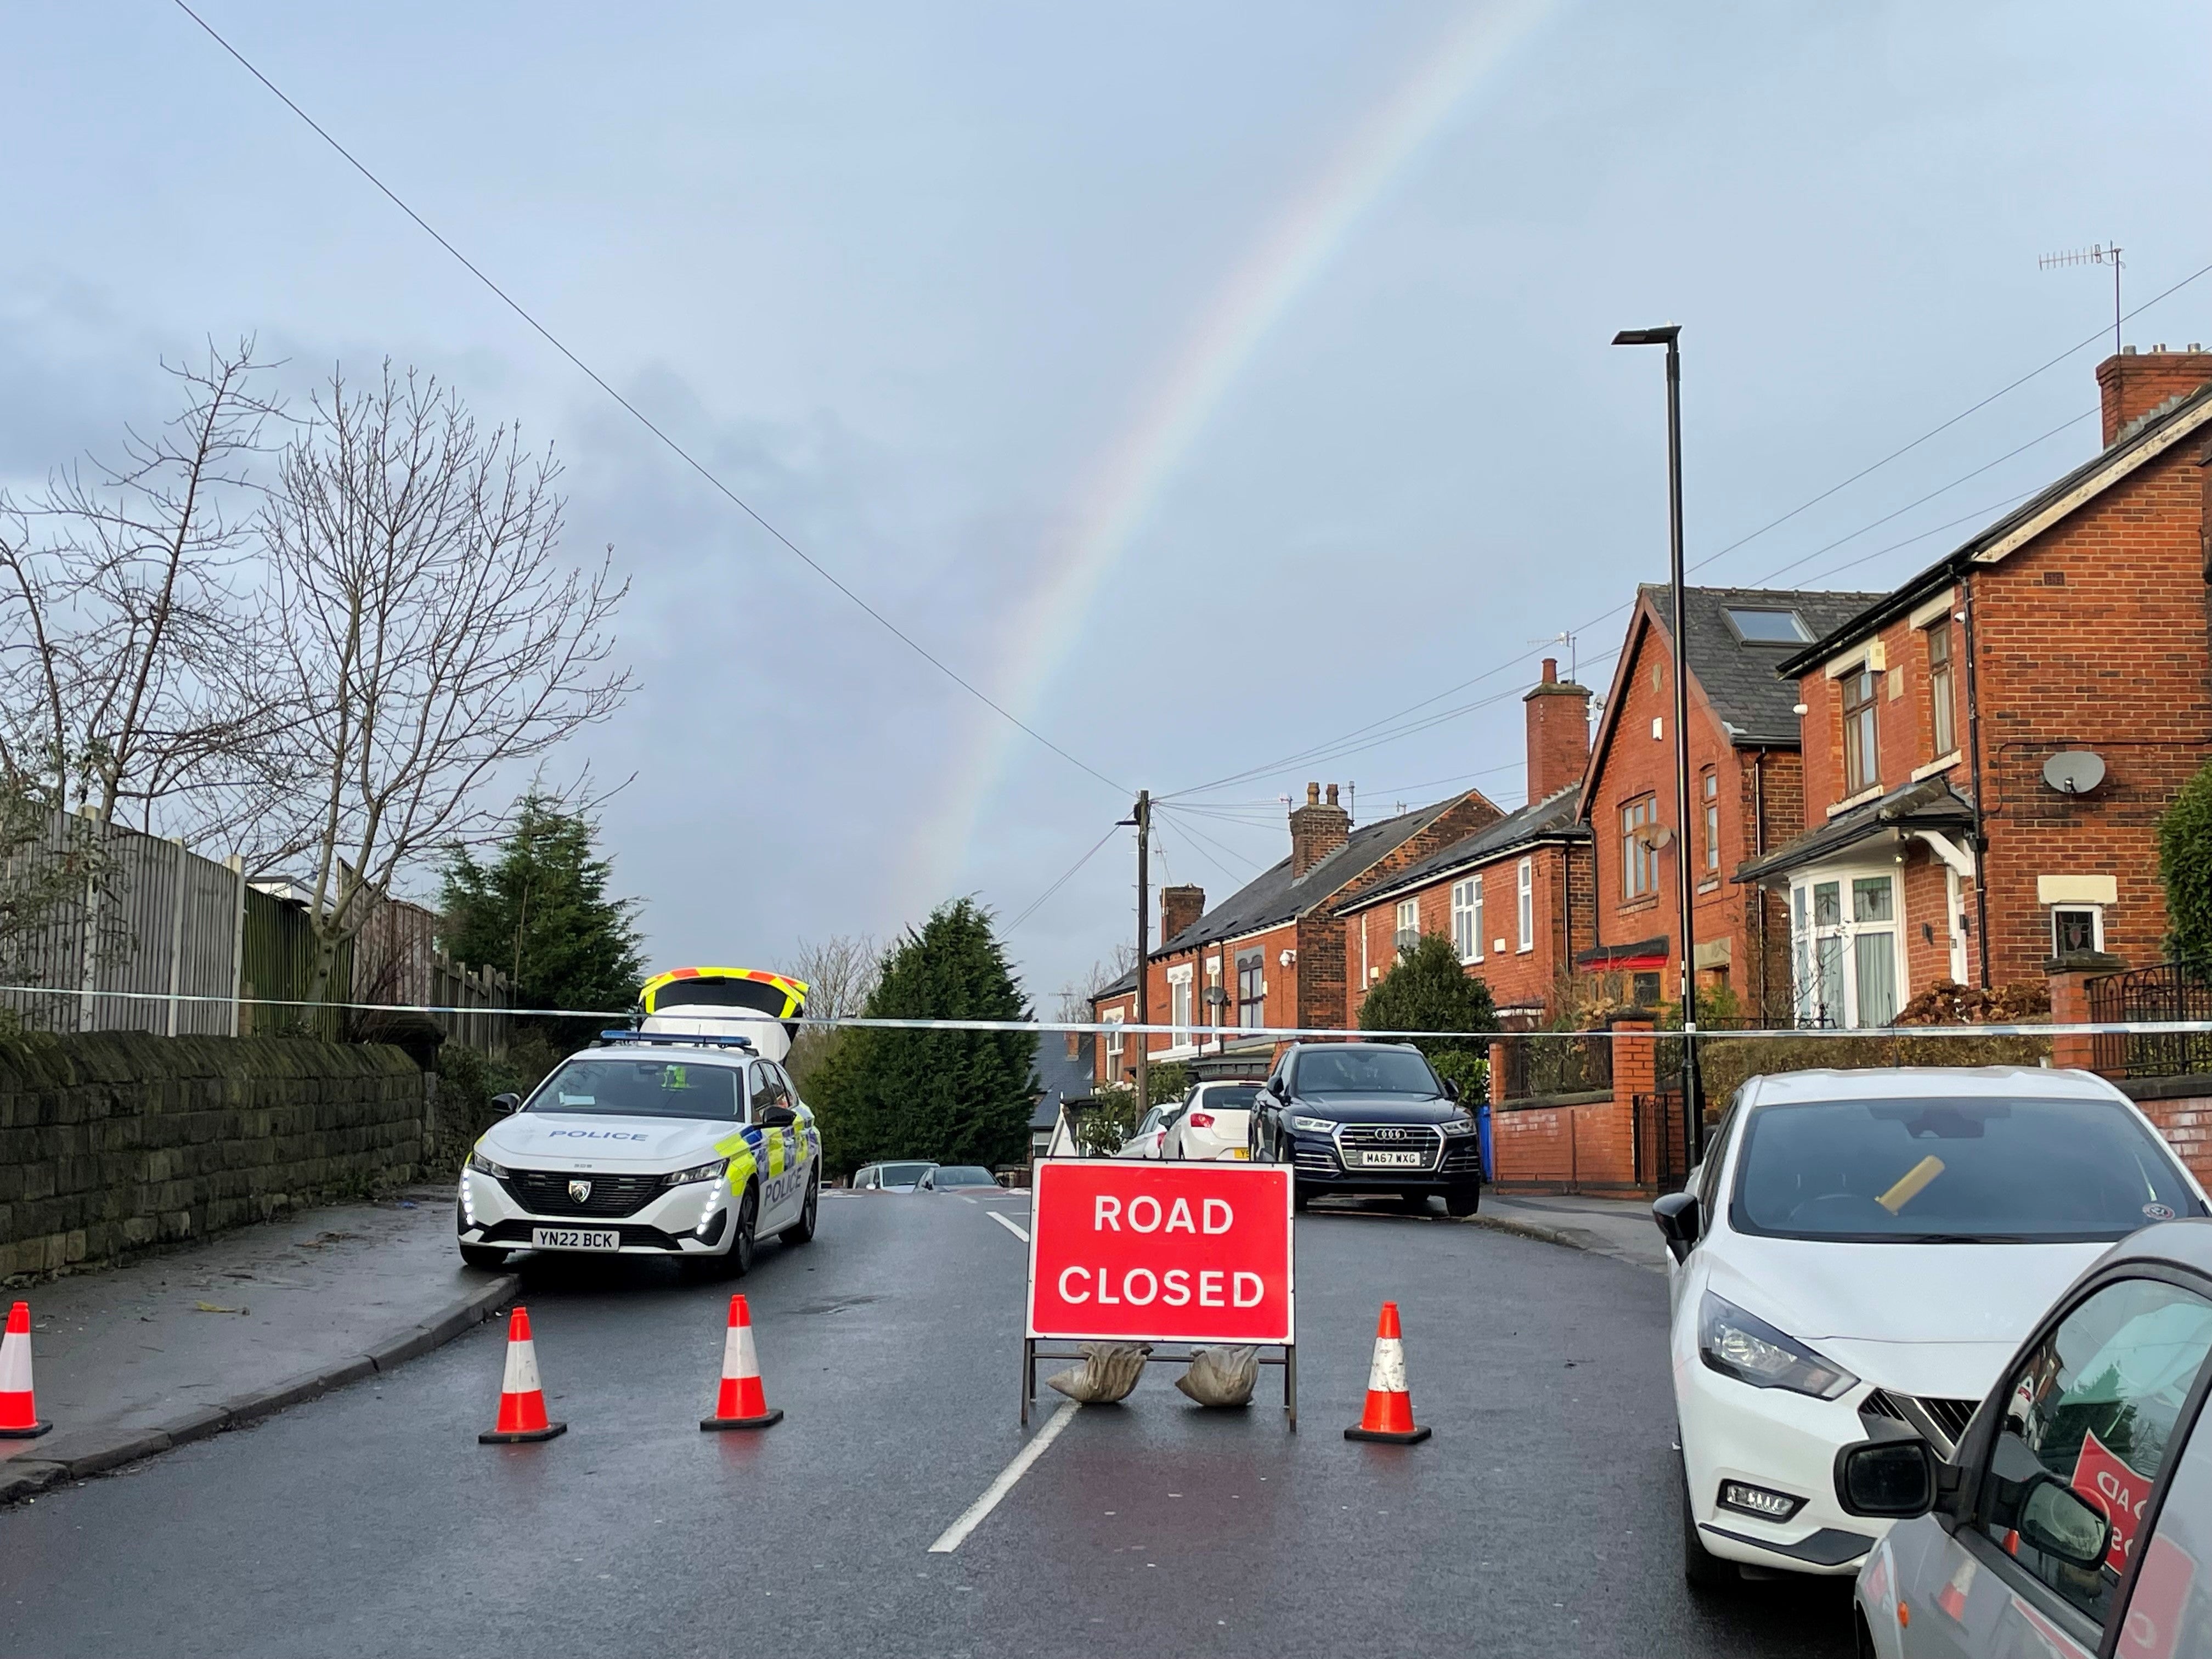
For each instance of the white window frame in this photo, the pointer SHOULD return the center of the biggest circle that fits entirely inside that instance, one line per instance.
(1115, 1039)
(1467, 918)
(1408, 920)
(1179, 1006)
(1525, 889)
(2097, 914)
(1806, 935)
(1709, 790)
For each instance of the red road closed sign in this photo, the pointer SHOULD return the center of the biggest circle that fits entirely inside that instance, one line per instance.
(1126, 1251)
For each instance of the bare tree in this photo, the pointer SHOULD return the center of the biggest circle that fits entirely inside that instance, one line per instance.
(127, 660)
(1076, 997)
(430, 637)
(841, 973)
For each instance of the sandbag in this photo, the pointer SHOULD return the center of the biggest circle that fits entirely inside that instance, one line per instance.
(1109, 1371)
(1221, 1376)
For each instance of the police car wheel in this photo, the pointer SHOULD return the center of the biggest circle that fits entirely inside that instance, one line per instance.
(743, 1243)
(801, 1231)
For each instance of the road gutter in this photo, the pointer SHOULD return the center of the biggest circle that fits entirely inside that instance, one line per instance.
(88, 1452)
(1572, 1238)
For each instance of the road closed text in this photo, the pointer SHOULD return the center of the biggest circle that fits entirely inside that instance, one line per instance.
(1173, 1253)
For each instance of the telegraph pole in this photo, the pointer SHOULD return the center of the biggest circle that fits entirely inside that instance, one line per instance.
(1144, 947)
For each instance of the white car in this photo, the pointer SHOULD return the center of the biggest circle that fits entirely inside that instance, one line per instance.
(1865, 1249)
(1214, 1126)
(1151, 1132)
(688, 1145)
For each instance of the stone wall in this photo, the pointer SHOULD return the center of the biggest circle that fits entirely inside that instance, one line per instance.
(111, 1141)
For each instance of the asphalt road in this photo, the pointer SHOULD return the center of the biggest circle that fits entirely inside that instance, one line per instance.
(1539, 1520)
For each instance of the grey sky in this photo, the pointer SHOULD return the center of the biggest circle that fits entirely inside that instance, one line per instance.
(910, 276)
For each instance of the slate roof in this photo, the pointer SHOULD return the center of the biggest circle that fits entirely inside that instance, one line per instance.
(2140, 441)
(1931, 804)
(1552, 817)
(1739, 679)
(1061, 1076)
(1277, 896)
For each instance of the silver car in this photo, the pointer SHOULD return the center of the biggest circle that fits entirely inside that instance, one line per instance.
(2075, 1517)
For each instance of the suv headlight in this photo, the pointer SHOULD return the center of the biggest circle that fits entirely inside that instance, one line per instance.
(1317, 1125)
(696, 1172)
(483, 1165)
(1737, 1345)
(1459, 1126)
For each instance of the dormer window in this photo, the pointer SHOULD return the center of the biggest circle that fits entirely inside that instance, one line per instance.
(1754, 625)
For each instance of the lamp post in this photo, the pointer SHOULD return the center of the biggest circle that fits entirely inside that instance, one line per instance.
(1692, 1107)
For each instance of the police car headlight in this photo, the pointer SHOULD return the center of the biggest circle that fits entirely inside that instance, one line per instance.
(483, 1165)
(1317, 1125)
(696, 1172)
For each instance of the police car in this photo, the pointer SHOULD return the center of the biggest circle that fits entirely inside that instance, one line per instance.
(681, 1136)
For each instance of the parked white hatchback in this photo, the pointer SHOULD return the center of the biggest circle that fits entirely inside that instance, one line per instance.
(1215, 1125)
(1861, 1250)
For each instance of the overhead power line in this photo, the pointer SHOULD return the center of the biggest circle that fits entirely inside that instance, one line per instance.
(640, 416)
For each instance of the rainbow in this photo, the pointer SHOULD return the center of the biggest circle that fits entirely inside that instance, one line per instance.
(1128, 480)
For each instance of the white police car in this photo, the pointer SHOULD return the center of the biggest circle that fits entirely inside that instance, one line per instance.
(687, 1142)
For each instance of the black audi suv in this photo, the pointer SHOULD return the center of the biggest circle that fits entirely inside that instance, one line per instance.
(1368, 1118)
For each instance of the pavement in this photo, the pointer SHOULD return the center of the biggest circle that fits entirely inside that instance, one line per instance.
(131, 1361)
(1539, 1520)
(1619, 1228)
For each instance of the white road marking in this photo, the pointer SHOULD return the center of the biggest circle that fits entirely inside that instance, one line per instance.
(963, 1198)
(952, 1538)
(1010, 1226)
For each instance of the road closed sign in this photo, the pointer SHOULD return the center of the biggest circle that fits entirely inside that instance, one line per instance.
(1131, 1251)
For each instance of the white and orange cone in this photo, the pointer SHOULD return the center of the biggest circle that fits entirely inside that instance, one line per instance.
(521, 1395)
(19, 1408)
(1389, 1413)
(740, 1403)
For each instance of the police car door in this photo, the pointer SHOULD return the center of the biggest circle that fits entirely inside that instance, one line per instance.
(799, 1147)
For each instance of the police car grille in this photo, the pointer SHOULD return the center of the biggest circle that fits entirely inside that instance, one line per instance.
(545, 1192)
(1420, 1138)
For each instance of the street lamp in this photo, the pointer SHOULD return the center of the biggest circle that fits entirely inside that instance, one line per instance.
(1693, 1109)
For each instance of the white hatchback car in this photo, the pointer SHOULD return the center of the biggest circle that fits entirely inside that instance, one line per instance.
(689, 1146)
(1864, 1249)
(1215, 1124)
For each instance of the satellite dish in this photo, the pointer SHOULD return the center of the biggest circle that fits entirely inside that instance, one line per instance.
(2076, 772)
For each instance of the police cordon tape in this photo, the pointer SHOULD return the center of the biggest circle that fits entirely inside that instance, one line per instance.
(2093, 1027)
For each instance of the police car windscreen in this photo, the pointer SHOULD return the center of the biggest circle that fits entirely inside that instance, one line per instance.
(752, 993)
(640, 1088)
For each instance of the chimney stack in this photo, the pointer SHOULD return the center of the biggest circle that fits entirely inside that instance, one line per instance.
(1316, 830)
(1559, 732)
(2135, 383)
(1179, 907)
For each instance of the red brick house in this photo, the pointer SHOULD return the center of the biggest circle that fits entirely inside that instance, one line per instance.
(1275, 951)
(1515, 897)
(1746, 791)
(1988, 749)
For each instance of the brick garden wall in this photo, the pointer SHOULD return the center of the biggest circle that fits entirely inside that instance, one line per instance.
(111, 1141)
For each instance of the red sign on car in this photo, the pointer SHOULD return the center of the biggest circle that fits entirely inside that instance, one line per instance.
(1136, 1251)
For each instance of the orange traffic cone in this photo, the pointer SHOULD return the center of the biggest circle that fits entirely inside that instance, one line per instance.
(740, 1404)
(19, 1411)
(1389, 1413)
(521, 1396)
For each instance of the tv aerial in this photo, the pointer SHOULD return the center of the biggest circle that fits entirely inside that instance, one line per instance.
(2095, 254)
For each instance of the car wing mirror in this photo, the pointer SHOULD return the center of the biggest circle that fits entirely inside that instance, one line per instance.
(1676, 1215)
(1451, 1089)
(1275, 1088)
(1893, 1479)
(776, 1117)
(504, 1103)
(2059, 1520)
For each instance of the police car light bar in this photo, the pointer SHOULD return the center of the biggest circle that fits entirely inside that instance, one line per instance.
(681, 1039)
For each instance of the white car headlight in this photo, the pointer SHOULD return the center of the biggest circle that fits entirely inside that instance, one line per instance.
(483, 1165)
(696, 1172)
(1738, 1345)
